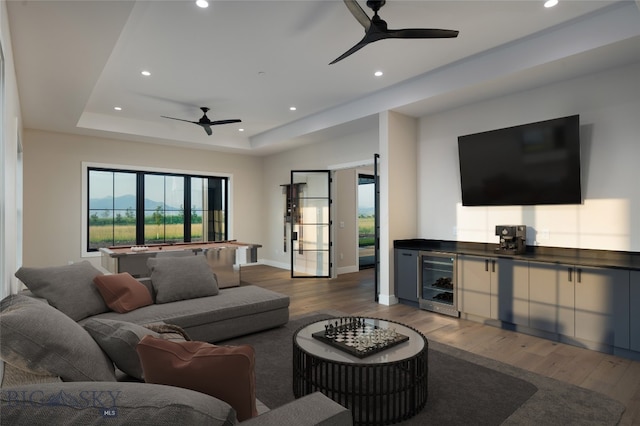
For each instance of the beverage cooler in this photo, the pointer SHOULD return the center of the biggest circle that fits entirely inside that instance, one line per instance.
(437, 283)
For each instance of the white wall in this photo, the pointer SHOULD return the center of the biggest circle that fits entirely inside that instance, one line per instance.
(10, 191)
(345, 222)
(325, 155)
(398, 203)
(53, 187)
(609, 106)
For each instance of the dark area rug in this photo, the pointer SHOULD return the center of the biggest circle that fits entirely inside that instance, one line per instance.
(463, 388)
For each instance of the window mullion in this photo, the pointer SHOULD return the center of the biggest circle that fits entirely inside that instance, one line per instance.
(186, 213)
(140, 213)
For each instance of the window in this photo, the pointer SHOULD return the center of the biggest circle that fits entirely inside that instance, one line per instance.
(128, 207)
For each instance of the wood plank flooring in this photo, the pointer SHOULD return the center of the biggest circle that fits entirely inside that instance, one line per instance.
(616, 377)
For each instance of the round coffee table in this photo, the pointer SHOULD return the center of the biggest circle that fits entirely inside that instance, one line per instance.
(383, 388)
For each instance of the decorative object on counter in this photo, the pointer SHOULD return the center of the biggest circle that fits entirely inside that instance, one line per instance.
(513, 239)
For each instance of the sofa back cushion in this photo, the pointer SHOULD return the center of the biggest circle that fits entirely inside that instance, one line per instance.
(225, 372)
(122, 293)
(181, 278)
(68, 288)
(40, 339)
(118, 339)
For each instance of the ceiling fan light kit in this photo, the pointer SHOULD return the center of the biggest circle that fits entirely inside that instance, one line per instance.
(376, 28)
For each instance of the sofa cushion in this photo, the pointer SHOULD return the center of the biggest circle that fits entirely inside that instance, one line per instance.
(40, 339)
(118, 339)
(181, 278)
(68, 288)
(115, 403)
(122, 293)
(225, 372)
(233, 312)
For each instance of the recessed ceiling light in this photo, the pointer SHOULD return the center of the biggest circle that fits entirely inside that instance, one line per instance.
(378, 73)
(292, 108)
(118, 108)
(550, 3)
(202, 3)
(241, 130)
(145, 73)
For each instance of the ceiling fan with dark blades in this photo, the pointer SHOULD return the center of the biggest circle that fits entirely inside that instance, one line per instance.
(205, 122)
(376, 29)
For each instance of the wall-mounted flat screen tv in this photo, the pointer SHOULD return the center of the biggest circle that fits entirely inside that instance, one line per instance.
(530, 164)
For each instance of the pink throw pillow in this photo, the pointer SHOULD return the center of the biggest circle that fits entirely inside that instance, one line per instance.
(122, 293)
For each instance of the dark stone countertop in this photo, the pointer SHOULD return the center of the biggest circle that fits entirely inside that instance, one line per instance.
(559, 255)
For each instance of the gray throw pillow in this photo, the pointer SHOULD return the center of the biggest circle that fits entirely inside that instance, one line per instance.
(40, 339)
(68, 288)
(181, 278)
(119, 340)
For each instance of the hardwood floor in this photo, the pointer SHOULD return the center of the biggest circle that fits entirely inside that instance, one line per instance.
(619, 378)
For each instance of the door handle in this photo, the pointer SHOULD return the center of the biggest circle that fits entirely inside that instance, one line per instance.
(294, 236)
(486, 265)
(493, 266)
(570, 270)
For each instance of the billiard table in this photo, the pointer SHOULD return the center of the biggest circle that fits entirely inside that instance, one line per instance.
(225, 258)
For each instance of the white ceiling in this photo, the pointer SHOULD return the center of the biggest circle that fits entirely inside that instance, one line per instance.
(76, 60)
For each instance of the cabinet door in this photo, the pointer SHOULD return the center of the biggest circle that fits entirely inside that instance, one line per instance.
(551, 298)
(474, 285)
(407, 274)
(602, 306)
(510, 291)
(634, 311)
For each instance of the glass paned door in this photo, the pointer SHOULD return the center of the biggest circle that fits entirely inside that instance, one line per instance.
(310, 223)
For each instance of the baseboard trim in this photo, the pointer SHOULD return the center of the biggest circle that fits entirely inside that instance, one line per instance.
(278, 265)
(387, 299)
(348, 269)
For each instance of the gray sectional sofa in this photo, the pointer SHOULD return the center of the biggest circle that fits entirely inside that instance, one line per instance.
(58, 371)
(183, 292)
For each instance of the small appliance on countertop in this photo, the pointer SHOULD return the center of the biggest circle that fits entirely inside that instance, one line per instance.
(513, 239)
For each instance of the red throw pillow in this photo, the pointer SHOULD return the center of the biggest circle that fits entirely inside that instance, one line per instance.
(122, 293)
(224, 372)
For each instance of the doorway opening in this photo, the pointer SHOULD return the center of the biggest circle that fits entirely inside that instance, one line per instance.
(366, 221)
